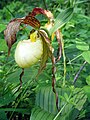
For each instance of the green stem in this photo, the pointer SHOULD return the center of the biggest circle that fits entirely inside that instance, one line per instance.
(60, 112)
(74, 59)
(64, 59)
(44, 2)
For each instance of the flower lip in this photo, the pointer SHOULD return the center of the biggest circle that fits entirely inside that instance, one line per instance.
(28, 53)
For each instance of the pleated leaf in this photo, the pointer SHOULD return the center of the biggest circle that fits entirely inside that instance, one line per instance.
(62, 19)
(45, 99)
(40, 114)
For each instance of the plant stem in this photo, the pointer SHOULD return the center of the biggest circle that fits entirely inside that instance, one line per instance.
(78, 73)
(59, 112)
(45, 4)
(64, 59)
(74, 59)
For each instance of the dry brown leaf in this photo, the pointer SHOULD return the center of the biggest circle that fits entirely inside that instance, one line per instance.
(10, 33)
(32, 21)
(13, 28)
(59, 52)
(37, 11)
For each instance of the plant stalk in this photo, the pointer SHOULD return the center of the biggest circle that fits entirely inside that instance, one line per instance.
(60, 112)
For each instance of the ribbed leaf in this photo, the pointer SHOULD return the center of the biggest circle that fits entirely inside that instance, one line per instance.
(40, 114)
(62, 19)
(45, 99)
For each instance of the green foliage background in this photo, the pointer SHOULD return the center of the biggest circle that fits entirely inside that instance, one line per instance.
(36, 100)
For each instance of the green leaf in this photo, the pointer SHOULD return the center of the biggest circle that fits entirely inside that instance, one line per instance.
(2, 27)
(87, 91)
(20, 110)
(47, 50)
(3, 115)
(9, 96)
(44, 57)
(79, 98)
(82, 45)
(40, 114)
(45, 99)
(62, 19)
(3, 46)
(88, 80)
(29, 74)
(86, 56)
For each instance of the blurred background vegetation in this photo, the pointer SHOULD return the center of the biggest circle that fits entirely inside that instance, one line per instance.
(36, 101)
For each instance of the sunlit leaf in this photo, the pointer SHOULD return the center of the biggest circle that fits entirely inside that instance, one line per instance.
(86, 56)
(3, 46)
(82, 45)
(88, 80)
(87, 91)
(62, 19)
(2, 27)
